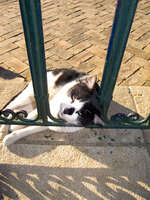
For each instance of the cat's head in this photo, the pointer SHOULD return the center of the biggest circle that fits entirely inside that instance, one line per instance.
(79, 104)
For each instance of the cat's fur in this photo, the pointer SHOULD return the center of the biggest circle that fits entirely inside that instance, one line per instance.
(72, 97)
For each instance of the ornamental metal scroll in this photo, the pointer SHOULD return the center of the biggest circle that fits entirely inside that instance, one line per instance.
(33, 31)
(119, 120)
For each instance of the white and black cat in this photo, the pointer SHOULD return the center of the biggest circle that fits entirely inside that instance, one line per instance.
(72, 97)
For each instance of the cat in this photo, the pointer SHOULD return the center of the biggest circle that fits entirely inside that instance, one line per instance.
(73, 97)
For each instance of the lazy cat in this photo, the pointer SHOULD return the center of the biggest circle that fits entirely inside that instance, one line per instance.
(72, 97)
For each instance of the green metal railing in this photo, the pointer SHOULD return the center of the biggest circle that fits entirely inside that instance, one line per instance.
(33, 31)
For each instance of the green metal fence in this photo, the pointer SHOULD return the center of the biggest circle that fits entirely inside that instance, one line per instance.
(33, 31)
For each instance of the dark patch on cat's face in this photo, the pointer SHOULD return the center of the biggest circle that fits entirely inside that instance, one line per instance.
(80, 91)
(67, 76)
(87, 114)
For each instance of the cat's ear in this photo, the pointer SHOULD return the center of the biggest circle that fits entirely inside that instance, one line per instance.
(89, 81)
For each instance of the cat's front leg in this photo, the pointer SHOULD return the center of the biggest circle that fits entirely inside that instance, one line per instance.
(5, 129)
(18, 134)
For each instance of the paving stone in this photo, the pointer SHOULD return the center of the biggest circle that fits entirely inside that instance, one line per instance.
(142, 75)
(9, 89)
(16, 65)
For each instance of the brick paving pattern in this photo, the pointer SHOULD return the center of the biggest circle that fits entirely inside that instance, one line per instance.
(76, 34)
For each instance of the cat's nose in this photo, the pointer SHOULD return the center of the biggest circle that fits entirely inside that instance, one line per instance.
(68, 111)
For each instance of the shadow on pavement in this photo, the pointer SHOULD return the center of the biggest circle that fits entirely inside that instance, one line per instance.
(40, 182)
(8, 75)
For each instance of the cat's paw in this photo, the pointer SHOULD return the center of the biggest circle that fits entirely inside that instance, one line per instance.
(8, 140)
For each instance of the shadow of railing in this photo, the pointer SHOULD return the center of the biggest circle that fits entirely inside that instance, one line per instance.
(40, 182)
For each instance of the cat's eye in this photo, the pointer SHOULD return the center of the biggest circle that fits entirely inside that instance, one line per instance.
(69, 111)
(73, 98)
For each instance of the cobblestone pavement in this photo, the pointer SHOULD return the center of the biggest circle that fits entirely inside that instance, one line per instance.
(76, 35)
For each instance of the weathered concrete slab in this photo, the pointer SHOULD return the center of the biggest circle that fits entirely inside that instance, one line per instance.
(91, 164)
(141, 97)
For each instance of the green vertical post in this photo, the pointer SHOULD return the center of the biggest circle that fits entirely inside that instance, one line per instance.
(32, 24)
(123, 19)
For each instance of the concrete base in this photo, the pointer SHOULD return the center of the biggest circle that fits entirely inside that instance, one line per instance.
(93, 164)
